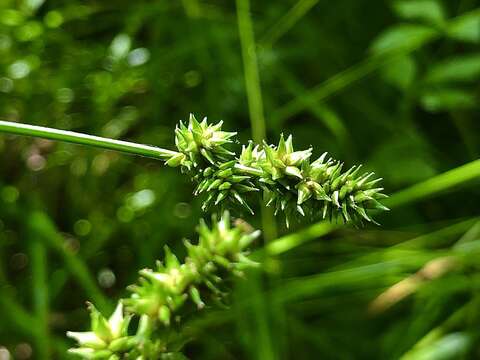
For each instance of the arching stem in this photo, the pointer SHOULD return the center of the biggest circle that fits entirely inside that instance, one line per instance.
(84, 139)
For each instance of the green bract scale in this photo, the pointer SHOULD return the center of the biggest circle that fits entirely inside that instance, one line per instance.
(291, 182)
(161, 294)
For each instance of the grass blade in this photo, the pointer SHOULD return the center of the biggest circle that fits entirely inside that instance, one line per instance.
(250, 65)
(260, 324)
(286, 22)
(437, 184)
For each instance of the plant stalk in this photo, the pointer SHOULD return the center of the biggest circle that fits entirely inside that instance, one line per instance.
(84, 139)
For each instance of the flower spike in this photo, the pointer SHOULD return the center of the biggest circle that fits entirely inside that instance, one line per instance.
(291, 182)
(160, 295)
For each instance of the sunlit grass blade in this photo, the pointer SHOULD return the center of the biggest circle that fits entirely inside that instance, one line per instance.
(435, 185)
(295, 239)
(365, 275)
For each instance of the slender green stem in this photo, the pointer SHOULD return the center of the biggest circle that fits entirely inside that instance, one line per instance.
(40, 295)
(287, 21)
(254, 95)
(260, 323)
(250, 65)
(83, 139)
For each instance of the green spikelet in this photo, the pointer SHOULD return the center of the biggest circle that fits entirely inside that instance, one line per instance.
(290, 182)
(345, 196)
(107, 338)
(200, 142)
(282, 161)
(293, 184)
(160, 293)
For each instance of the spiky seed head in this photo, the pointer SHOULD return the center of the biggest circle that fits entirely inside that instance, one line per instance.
(200, 140)
(106, 336)
(161, 292)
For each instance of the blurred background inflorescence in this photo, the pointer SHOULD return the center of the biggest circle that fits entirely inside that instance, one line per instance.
(393, 85)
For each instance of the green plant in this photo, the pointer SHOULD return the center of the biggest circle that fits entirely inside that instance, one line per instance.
(161, 296)
(289, 181)
(442, 84)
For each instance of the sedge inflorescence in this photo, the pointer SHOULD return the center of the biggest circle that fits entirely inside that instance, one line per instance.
(290, 180)
(162, 296)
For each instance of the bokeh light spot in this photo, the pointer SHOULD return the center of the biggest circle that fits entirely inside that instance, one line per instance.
(19, 261)
(29, 31)
(138, 57)
(120, 46)
(11, 17)
(19, 69)
(10, 194)
(82, 227)
(23, 351)
(36, 162)
(4, 353)
(100, 164)
(65, 95)
(53, 19)
(141, 199)
(106, 278)
(192, 78)
(5, 42)
(182, 210)
(79, 167)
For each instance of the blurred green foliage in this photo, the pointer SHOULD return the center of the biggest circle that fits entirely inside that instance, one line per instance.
(393, 85)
